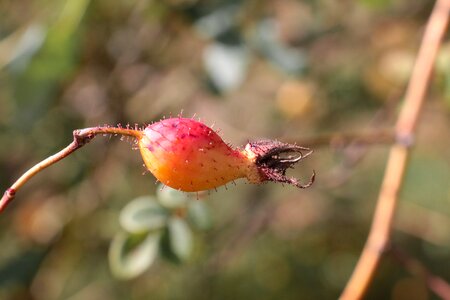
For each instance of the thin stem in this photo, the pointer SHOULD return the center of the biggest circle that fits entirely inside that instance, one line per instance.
(381, 228)
(80, 138)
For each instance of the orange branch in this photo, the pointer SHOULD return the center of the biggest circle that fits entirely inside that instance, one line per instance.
(381, 228)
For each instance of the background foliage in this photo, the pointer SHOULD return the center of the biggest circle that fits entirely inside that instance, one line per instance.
(280, 69)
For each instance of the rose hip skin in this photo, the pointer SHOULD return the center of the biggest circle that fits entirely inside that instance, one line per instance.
(187, 155)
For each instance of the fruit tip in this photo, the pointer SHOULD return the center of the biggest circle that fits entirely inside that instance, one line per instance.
(272, 158)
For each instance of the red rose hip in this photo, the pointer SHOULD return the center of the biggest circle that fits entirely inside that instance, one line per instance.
(188, 155)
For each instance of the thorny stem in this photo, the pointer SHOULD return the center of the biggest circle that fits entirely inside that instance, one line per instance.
(380, 232)
(80, 138)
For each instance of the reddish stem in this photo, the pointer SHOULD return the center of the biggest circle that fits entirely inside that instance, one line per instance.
(80, 138)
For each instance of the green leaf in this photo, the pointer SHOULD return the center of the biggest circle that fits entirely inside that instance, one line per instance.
(226, 65)
(180, 238)
(143, 214)
(171, 198)
(130, 255)
(199, 215)
(40, 77)
(20, 46)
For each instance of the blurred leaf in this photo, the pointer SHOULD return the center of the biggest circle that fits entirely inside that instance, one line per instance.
(226, 65)
(171, 198)
(52, 63)
(57, 55)
(199, 215)
(290, 60)
(131, 255)
(180, 238)
(143, 214)
(218, 21)
(21, 45)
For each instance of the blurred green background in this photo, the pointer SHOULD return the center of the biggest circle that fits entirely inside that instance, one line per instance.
(281, 69)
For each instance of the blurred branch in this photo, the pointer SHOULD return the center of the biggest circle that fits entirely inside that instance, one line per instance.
(340, 140)
(355, 146)
(380, 231)
(435, 283)
(354, 150)
(80, 138)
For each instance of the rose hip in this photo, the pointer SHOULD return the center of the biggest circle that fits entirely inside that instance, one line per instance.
(186, 154)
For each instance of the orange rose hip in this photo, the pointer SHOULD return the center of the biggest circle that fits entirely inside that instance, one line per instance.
(186, 154)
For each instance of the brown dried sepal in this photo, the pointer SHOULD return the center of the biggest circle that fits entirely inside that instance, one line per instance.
(273, 158)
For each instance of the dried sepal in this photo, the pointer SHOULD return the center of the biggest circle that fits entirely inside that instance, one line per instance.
(273, 158)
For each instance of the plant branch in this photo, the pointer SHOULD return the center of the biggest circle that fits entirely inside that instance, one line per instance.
(343, 139)
(435, 283)
(80, 138)
(381, 228)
